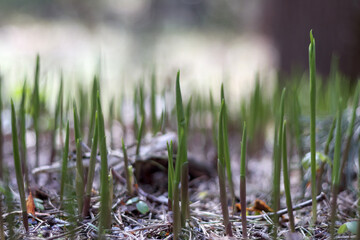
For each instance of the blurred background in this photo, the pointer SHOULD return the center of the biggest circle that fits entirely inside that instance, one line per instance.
(209, 41)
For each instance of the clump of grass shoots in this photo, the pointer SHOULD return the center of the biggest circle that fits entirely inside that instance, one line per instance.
(18, 170)
(277, 163)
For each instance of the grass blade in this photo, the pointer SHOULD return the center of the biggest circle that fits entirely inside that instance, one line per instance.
(1, 132)
(243, 183)
(126, 170)
(312, 68)
(170, 173)
(105, 208)
(76, 123)
(94, 90)
(22, 122)
(91, 172)
(18, 170)
(111, 121)
(326, 152)
(79, 179)
(277, 164)
(140, 134)
(182, 126)
(349, 135)
(221, 172)
(176, 194)
(213, 113)
(335, 180)
(287, 180)
(57, 121)
(226, 148)
(64, 164)
(36, 109)
(154, 121)
(358, 205)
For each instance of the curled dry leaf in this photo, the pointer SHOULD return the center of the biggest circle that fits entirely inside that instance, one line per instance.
(30, 205)
(259, 206)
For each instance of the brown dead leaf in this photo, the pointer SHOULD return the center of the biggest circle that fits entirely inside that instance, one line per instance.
(30, 205)
(260, 206)
(238, 207)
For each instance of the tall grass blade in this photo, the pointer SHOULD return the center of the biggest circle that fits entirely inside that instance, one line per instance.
(349, 134)
(243, 183)
(221, 172)
(326, 152)
(76, 123)
(94, 90)
(91, 172)
(176, 194)
(83, 107)
(182, 126)
(226, 148)
(105, 208)
(111, 121)
(36, 110)
(135, 104)
(126, 170)
(312, 68)
(64, 164)
(171, 173)
(57, 121)
(335, 178)
(287, 180)
(79, 179)
(140, 135)
(358, 205)
(214, 117)
(188, 114)
(22, 122)
(277, 164)
(18, 170)
(154, 121)
(1, 132)
(2, 233)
